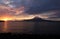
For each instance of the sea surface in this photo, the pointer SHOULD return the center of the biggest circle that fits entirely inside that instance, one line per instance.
(30, 27)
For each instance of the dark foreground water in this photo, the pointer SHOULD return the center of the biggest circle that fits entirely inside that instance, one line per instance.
(30, 27)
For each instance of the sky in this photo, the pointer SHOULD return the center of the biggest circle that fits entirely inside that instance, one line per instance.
(28, 9)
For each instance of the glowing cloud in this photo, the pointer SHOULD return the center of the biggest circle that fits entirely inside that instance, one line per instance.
(16, 10)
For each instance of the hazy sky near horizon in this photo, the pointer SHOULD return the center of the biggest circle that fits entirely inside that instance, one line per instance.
(27, 9)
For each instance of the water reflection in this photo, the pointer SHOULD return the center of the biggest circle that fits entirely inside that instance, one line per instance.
(5, 27)
(17, 27)
(30, 27)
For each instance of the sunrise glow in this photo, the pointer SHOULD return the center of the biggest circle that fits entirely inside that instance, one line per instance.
(6, 18)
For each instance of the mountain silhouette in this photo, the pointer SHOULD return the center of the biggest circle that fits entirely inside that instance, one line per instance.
(38, 19)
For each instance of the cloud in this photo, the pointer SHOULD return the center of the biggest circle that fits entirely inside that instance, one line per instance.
(16, 13)
(39, 6)
(12, 11)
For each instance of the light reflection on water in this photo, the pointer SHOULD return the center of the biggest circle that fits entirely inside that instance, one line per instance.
(17, 27)
(5, 27)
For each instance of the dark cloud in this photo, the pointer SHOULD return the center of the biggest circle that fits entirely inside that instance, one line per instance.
(39, 6)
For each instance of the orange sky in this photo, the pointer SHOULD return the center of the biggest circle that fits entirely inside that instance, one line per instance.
(5, 17)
